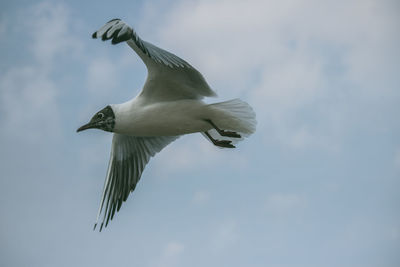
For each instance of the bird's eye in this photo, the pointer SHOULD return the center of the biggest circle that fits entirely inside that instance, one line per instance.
(100, 115)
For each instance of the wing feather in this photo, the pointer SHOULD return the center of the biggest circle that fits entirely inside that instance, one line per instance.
(129, 156)
(169, 77)
(105, 28)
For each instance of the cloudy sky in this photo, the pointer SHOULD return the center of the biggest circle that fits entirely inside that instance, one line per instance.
(318, 184)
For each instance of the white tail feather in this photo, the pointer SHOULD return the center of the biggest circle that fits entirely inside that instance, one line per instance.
(233, 115)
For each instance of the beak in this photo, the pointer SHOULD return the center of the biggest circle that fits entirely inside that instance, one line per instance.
(89, 125)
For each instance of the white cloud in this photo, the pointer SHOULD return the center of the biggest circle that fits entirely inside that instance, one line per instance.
(201, 197)
(101, 76)
(282, 204)
(27, 98)
(49, 25)
(173, 249)
(225, 236)
(28, 95)
(170, 255)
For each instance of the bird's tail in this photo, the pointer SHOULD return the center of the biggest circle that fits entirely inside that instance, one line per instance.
(232, 115)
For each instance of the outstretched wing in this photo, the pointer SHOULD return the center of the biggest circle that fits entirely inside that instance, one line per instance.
(129, 156)
(169, 77)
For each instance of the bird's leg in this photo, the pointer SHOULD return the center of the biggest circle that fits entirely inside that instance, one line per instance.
(220, 143)
(223, 132)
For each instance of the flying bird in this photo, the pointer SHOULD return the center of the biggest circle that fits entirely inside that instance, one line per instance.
(169, 105)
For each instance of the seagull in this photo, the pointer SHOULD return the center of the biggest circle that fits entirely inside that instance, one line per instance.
(169, 105)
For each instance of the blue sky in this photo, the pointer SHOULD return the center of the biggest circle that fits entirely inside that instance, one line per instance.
(318, 184)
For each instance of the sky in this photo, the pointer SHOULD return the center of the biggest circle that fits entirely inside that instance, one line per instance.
(318, 184)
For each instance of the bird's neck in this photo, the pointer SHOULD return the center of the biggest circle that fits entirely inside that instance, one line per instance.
(124, 113)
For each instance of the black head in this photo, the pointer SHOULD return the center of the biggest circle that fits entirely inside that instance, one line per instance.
(103, 120)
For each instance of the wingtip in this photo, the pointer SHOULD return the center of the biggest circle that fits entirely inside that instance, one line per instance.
(94, 227)
(94, 35)
(113, 20)
(101, 227)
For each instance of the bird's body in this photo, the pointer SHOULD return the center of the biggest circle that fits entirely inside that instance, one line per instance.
(169, 105)
(169, 118)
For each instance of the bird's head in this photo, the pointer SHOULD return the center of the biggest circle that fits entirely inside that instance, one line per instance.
(103, 120)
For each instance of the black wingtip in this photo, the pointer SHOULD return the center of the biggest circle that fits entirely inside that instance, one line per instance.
(94, 35)
(114, 41)
(121, 38)
(94, 227)
(101, 227)
(113, 20)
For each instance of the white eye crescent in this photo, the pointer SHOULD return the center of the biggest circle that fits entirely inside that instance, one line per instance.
(100, 115)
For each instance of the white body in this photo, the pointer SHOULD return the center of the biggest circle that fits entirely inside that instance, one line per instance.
(172, 118)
